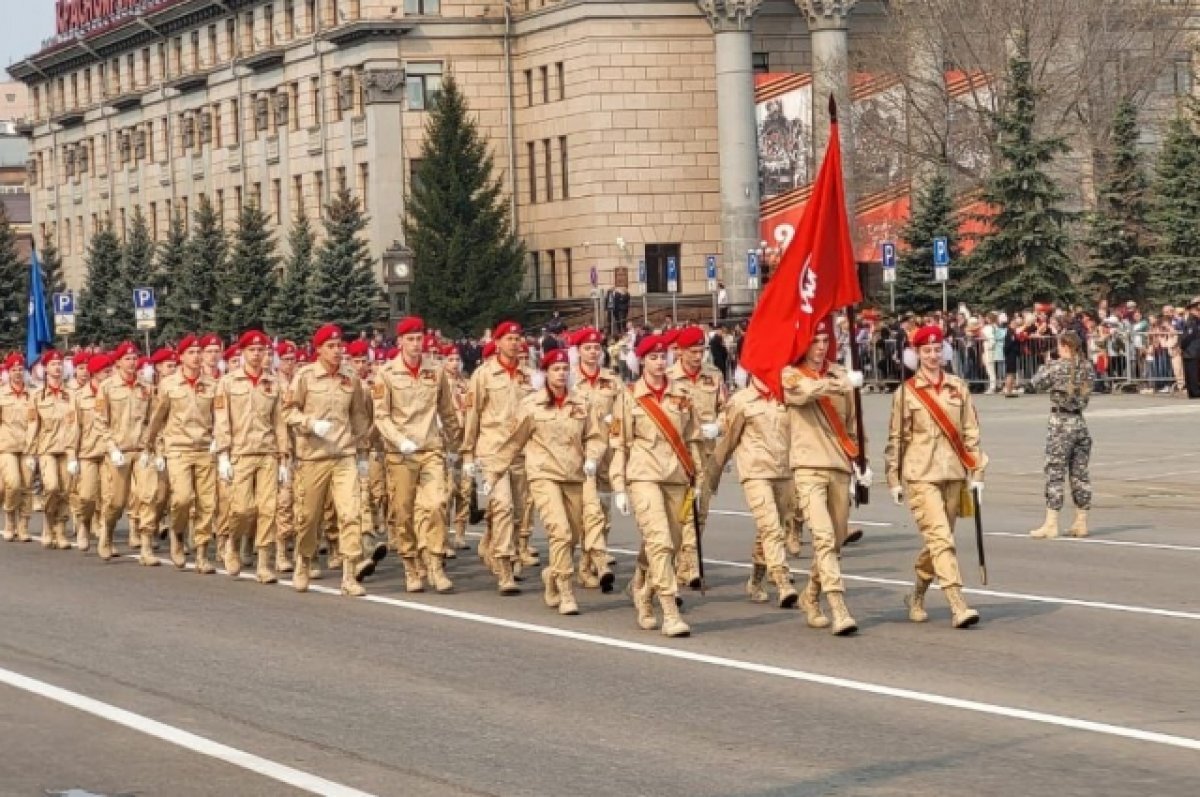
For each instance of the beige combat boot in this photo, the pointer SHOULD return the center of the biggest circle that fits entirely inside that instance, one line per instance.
(642, 594)
(366, 567)
(412, 576)
(47, 538)
(754, 585)
(283, 564)
(506, 584)
(300, 576)
(843, 623)
(962, 615)
(335, 555)
(10, 527)
(203, 566)
(915, 601)
(232, 558)
(566, 604)
(1080, 527)
(83, 538)
(263, 573)
(104, 546)
(135, 537)
(178, 554)
(350, 586)
(460, 539)
(528, 554)
(314, 567)
(437, 574)
(687, 568)
(1048, 529)
(810, 603)
(787, 591)
(146, 556)
(672, 625)
(550, 593)
(604, 570)
(587, 573)
(791, 539)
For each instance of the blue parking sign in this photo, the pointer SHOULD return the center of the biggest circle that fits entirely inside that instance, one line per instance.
(941, 252)
(889, 254)
(711, 263)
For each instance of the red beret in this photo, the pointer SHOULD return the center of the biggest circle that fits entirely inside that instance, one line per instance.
(489, 349)
(142, 362)
(929, 334)
(81, 359)
(286, 349)
(124, 350)
(670, 338)
(391, 354)
(253, 338)
(327, 333)
(451, 350)
(163, 355)
(652, 344)
(188, 342)
(410, 326)
(586, 335)
(14, 360)
(302, 356)
(554, 357)
(211, 339)
(50, 355)
(358, 348)
(506, 328)
(689, 337)
(823, 327)
(98, 362)
(231, 352)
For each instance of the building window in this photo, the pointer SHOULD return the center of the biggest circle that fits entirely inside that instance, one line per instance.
(237, 200)
(289, 19)
(147, 70)
(568, 265)
(298, 195)
(1182, 83)
(529, 87)
(269, 24)
(656, 266)
(760, 62)
(248, 32)
(423, 82)
(314, 99)
(422, 7)
(319, 193)
(256, 195)
(414, 174)
(213, 53)
(187, 216)
(534, 275)
(339, 176)
(129, 67)
(294, 106)
(67, 240)
(562, 159)
(364, 175)
(220, 207)
(551, 283)
(235, 120)
(561, 73)
(545, 70)
(177, 56)
(531, 155)
(310, 15)
(338, 81)
(546, 157)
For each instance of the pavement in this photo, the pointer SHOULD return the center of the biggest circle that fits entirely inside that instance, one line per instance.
(117, 679)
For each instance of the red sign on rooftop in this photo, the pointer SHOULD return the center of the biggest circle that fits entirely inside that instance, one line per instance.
(87, 16)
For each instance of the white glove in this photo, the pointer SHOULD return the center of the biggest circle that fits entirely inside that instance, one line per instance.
(364, 467)
(160, 464)
(471, 469)
(321, 428)
(224, 468)
(621, 502)
(589, 468)
(144, 461)
(31, 463)
(407, 447)
(855, 378)
(608, 419)
(864, 477)
(117, 457)
(285, 475)
(73, 467)
(710, 430)
(212, 447)
(898, 495)
(485, 489)
(977, 489)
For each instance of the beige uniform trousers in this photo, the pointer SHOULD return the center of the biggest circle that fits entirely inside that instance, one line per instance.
(458, 506)
(193, 485)
(824, 498)
(689, 529)
(418, 485)
(161, 506)
(85, 495)
(935, 508)
(143, 498)
(657, 509)
(115, 483)
(595, 518)
(525, 521)
(317, 481)
(53, 468)
(223, 505)
(560, 505)
(253, 495)
(771, 503)
(506, 499)
(17, 479)
(285, 525)
(375, 497)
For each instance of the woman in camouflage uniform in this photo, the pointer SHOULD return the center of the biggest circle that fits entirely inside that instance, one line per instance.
(1068, 380)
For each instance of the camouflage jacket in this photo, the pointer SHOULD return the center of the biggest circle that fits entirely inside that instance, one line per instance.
(1056, 378)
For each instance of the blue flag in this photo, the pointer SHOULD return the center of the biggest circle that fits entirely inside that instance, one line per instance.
(37, 332)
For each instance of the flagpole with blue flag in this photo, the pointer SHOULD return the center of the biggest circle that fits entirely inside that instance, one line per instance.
(37, 331)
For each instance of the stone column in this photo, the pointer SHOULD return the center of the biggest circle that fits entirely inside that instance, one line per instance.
(737, 138)
(387, 189)
(828, 24)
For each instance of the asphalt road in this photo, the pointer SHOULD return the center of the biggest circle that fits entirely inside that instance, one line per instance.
(1081, 679)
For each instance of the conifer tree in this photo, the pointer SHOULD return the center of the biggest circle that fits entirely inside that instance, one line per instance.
(176, 316)
(346, 291)
(290, 314)
(204, 263)
(52, 273)
(248, 280)
(932, 217)
(137, 271)
(1175, 215)
(14, 287)
(97, 308)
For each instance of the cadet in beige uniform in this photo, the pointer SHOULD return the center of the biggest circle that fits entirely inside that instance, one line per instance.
(183, 415)
(933, 454)
(326, 410)
(412, 395)
(823, 447)
(497, 388)
(79, 381)
(371, 503)
(52, 446)
(91, 452)
(122, 409)
(756, 433)
(706, 386)
(601, 389)
(458, 506)
(166, 363)
(285, 526)
(14, 417)
(251, 444)
(656, 442)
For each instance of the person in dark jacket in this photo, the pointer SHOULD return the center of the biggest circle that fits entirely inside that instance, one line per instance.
(719, 351)
(1189, 345)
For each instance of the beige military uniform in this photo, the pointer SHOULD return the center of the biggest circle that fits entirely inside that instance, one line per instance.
(86, 492)
(707, 389)
(461, 485)
(14, 418)
(52, 436)
(601, 391)
(374, 487)
(285, 525)
(121, 413)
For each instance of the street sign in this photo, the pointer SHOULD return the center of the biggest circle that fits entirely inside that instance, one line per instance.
(941, 259)
(64, 313)
(889, 254)
(672, 275)
(642, 272)
(752, 264)
(710, 264)
(594, 276)
(145, 310)
(889, 276)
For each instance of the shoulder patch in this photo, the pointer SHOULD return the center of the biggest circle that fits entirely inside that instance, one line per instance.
(31, 414)
(378, 390)
(219, 402)
(792, 379)
(614, 428)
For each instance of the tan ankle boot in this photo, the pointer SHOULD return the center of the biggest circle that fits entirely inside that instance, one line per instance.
(962, 615)
(300, 577)
(47, 538)
(566, 604)
(604, 572)
(460, 539)
(915, 601)
(23, 528)
(178, 556)
(550, 593)
(810, 603)
(10, 526)
(104, 546)
(687, 568)
(529, 556)
(787, 591)
(335, 555)
(843, 623)
(146, 556)
(1080, 527)
(587, 572)
(60, 536)
(350, 587)
(505, 581)
(437, 575)
(754, 585)
(642, 594)
(263, 572)
(412, 576)
(283, 564)
(203, 566)
(232, 558)
(792, 540)
(1048, 529)
(672, 625)
(83, 540)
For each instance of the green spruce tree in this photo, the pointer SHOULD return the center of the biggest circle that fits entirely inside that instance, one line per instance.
(1118, 232)
(290, 314)
(99, 305)
(14, 287)
(347, 292)
(137, 271)
(1175, 214)
(204, 264)
(932, 217)
(1023, 258)
(468, 264)
(175, 314)
(248, 280)
(52, 273)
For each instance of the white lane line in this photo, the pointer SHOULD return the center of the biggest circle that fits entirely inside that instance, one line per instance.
(743, 513)
(181, 738)
(1152, 476)
(1162, 546)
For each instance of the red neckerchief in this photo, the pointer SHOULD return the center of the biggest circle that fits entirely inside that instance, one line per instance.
(937, 386)
(766, 395)
(253, 379)
(92, 385)
(558, 400)
(689, 375)
(591, 378)
(130, 383)
(192, 382)
(54, 391)
(413, 370)
(512, 372)
(658, 394)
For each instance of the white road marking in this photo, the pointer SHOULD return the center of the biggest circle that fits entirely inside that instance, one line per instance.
(181, 738)
(1144, 412)
(743, 513)
(1153, 476)
(1162, 546)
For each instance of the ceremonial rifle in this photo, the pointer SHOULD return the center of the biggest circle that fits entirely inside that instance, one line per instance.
(977, 497)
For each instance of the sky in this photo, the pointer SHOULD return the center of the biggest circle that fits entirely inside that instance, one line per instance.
(23, 25)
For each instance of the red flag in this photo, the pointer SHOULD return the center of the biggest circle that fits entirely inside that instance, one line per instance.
(815, 276)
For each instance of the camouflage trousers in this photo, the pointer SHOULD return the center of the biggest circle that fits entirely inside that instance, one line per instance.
(1068, 449)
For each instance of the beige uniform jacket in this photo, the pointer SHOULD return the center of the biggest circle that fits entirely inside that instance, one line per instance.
(317, 395)
(14, 418)
(91, 443)
(248, 415)
(707, 390)
(53, 423)
(409, 407)
(640, 452)
(601, 390)
(917, 450)
(285, 383)
(493, 397)
(813, 443)
(183, 414)
(122, 412)
(756, 434)
(556, 440)
(459, 387)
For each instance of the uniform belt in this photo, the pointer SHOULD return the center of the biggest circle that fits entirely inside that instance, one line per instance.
(1065, 412)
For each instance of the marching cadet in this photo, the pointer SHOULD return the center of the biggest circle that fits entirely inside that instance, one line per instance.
(562, 441)
(656, 445)
(933, 454)
(211, 351)
(458, 504)
(822, 454)
(706, 385)
(756, 433)
(165, 362)
(122, 409)
(497, 388)
(14, 418)
(251, 444)
(285, 527)
(327, 412)
(91, 452)
(52, 447)
(183, 415)
(229, 358)
(78, 382)
(1068, 380)
(81, 377)
(411, 396)
(601, 389)
(370, 501)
